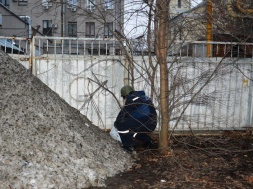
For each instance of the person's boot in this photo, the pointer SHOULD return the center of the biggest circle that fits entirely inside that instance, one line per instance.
(127, 142)
(148, 144)
(128, 148)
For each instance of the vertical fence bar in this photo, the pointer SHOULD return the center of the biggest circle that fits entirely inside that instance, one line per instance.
(92, 48)
(5, 45)
(12, 45)
(84, 48)
(98, 48)
(106, 49)
(62, 46)
(77, 49)
(47, 46)
(19, 47)
(70, 47)
(113, 48)
(55, 47)
(33, 57)
(39, 46)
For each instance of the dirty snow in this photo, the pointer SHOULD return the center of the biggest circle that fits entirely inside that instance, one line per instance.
(44, 142)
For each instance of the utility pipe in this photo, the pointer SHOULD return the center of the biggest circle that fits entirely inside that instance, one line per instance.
(28, 18)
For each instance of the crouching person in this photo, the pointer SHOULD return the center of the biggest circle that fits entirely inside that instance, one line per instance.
(137, 118)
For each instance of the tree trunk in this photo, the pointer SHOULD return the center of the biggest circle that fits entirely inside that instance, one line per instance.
(161, 44)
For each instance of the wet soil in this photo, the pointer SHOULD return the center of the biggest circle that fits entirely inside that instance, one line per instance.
(220, 161)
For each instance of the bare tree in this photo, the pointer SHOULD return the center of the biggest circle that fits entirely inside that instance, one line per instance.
(165, 42)
(158, 40)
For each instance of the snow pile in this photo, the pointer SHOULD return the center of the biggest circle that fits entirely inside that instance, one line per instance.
(44, 142)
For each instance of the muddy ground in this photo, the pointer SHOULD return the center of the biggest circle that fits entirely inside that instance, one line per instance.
(210, 161)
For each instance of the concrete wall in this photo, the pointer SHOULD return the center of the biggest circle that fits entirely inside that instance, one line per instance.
(89, 84)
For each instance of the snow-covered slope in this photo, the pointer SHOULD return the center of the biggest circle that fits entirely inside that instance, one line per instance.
(44, 142)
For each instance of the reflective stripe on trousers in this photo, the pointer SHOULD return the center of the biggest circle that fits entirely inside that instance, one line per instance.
(126, 131)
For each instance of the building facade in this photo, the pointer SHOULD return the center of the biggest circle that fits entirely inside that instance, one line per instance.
(11, 24)
(79, 18)
(94, 19)
(72, 18)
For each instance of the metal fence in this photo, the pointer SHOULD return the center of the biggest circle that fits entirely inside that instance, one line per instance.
(88, 74)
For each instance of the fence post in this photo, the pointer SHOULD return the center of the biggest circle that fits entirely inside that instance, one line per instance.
(32, 56)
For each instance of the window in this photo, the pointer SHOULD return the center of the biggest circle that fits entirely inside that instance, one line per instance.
(72, 29)
(72, 3)
(90, 4)
(5, 2)
(109, 4)
(47, 3)
(22, 2)
(108, 29)
(90, 29)
(47, 27)
(179, 3)
(44, 2)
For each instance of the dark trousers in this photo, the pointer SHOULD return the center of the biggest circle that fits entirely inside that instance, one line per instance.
(137, 128)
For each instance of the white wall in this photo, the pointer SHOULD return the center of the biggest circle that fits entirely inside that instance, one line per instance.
(225, 103)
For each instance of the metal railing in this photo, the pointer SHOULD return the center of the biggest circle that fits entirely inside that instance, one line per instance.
(77, 46)
(111, 46)
(15, 45)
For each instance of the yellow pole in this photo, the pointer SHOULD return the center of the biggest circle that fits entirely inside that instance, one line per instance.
(209, 28)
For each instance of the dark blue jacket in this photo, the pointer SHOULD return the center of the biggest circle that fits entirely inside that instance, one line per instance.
(137, 106)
